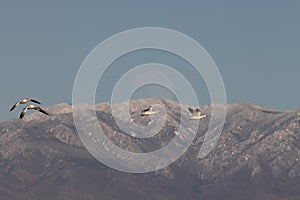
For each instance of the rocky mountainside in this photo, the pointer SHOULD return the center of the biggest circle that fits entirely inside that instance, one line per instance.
(255, 158)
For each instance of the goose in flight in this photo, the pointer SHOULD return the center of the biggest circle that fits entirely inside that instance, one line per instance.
(149, 111)
(23, 101)
(196, 114)
(31, 106)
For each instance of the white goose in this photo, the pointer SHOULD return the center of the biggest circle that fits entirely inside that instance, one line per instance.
(149, 111)
(23, 101)
(31, 106)
(196, 114)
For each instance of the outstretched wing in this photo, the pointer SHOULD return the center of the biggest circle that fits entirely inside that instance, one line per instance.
(148, 109)
(35, 101)
(191, 110)
(144, 111)
(198, 110)
(23, 112)
(15, 105)
(41, 110)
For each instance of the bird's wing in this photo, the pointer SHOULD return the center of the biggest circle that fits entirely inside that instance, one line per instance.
(198, 112)
(191, 110)
(23, 112)
(15, 105)
(41, 110)
(147, 109)
(35, 101)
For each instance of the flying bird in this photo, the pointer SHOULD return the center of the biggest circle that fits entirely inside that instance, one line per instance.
(149, 111)
(196, 114)
(31, 106)
(23, 101)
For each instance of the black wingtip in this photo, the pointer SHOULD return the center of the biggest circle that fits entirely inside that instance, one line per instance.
(35, 101)
(22, 115)
(191, 110)
(146, 109)
(13, 107)
(42, 111)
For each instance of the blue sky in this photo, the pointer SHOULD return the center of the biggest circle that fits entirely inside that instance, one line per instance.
(254, 44)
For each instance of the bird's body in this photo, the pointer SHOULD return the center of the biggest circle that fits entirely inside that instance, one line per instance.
(149, 111)
(196, 114)
(31, 106)
(23, 101)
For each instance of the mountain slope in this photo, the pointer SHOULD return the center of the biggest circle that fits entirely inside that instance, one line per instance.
(256, 157)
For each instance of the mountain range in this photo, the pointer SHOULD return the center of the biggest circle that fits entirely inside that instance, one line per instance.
(255, 158)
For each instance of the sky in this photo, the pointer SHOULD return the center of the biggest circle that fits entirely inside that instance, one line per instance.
(255, 44)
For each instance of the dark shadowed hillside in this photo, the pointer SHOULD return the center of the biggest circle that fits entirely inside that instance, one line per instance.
(256, 158)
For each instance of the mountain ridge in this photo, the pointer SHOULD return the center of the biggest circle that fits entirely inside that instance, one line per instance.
(256, 157)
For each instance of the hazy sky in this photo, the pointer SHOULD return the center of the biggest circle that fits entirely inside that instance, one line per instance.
(255, 44)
